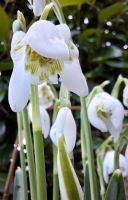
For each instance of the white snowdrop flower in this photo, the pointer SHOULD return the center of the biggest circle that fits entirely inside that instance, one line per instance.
(106, 113)
(45, 119)
(64, 125)
(108, 165)
(125, 96)
(46, 95)
(37, 6)
(40, 55)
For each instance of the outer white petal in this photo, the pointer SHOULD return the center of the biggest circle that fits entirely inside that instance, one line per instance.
(108, 165)
(53, 79)
(17, 37)
(125, 96)
(38, 6)
(74, 52)
(61, 180)
(73, 78)
(93, 117)
(30, 111)
(64, 31)
(45, 121)
(19, 87)
(64, 124)
(44, 38)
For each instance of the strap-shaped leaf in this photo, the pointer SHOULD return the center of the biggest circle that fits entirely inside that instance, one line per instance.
(111, 11)
(74, 2)
(69, 185)
(115, 190)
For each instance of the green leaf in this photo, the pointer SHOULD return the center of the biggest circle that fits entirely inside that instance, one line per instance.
(117, 64)
(111, 11)
(87, 192)
(4, 25)
(108, 53)
(115, 190)
(89, 32)
(74, 2)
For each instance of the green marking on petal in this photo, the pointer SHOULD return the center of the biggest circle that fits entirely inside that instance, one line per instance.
(102, 112)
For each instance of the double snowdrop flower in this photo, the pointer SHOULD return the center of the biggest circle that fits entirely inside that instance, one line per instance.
(37, 6)
(108, 165)
(64, 125)
(39, 55)
(106, 113)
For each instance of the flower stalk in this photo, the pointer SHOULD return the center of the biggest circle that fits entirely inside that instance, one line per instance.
(30, 155)
(89, 147)
(22, 156)
(38, 146)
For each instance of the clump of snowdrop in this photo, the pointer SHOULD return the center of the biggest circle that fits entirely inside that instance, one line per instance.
(108, 165)
(35, 61)
(106, 113)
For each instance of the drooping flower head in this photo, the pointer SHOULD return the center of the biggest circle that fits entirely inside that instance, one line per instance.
(64, 125)
(106, 113)
(40, 55)
(108, 165)
(46, 95)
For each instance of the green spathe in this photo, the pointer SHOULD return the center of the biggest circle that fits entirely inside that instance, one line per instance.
(69, 184)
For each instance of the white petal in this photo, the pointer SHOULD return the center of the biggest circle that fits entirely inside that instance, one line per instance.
(73, 78)
(53, 79)
(30, 111)
(45, 122)
(64, 31)
(93, 117)
(74, 52)
(19, 87)
(51, 43)
(125, 96)
(38, 6)
(64, 124)
(17, 37)
(108, 165)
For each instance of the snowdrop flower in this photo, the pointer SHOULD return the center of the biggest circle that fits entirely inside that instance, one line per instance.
(125, 96)
(40, 55)
(108, 165)
(106, 113)
(45, 119)
(37, 6)
(64, 125)
(46, 95)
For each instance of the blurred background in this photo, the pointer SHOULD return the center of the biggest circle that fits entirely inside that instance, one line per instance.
(100, 30)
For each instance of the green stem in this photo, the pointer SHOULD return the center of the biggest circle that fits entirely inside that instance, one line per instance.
(22, 156)
(89, 147)
(30, 155)
(83, 144)
(38, 146)
(55, 172)
(116, 155)
(55, 175)
(100, 173)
